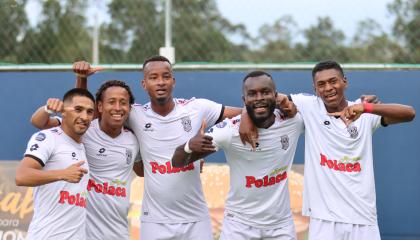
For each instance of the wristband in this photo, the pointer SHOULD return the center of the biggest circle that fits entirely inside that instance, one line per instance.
(49, 111)
(187, 147)
(367, 107)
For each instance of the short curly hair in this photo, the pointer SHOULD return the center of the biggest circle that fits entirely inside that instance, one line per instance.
(113, 83)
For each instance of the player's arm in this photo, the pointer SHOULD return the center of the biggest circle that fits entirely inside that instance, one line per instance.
(42, 119)
(138, 168)
(83, 70)
(247, 130)
(29, 173)
(197, 147)
(390, 113)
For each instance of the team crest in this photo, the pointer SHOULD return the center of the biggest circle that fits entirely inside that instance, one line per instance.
(128, 155)
(186, 123)
(353, 131)
(284, 142)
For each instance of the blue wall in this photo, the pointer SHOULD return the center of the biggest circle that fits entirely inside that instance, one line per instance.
(396, 150)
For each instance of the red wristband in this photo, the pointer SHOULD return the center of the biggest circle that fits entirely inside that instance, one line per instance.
(367, 107)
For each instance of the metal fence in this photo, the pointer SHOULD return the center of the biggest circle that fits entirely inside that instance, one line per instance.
(127, 31)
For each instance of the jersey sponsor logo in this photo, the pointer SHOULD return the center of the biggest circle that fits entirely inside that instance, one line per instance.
(344, 165)
(77, 200)
(168, 169)
(108, 189)
(147, 127)
(265, 181)
(40, 137)
(128, 156)
(353, 131)
(284, 142)
(74, 156)
(101, 152)
(186, 123)
(34, 147)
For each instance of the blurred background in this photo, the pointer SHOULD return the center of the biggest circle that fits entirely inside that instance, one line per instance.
(261, 31)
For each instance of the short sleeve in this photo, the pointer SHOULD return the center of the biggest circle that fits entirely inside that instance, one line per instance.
(301, 100)
(222, 134)
(40, 147)
(212, 111)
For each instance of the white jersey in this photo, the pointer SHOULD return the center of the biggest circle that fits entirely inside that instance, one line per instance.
(339, 180)
(171, 195)
(59, 207)
(259, 192)
(110, 163)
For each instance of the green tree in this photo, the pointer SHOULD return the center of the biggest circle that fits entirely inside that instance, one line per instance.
(199, 31)
(324, 42)
(13, 25)
(60, 37)
(406, 29)
(277, 41)
(372, 44)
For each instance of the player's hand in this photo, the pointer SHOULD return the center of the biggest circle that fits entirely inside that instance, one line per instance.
(247, 130)
(54, 104)
(83, 69)
(285, 105)
(370, 99)
(74, 173)
(350, 113)
(202, 143)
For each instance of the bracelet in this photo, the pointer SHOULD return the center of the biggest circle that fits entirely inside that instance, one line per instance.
(187, 147)
(367, 107)
(49, 111)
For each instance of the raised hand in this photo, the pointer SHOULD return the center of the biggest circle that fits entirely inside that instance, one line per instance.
(54, 105)
(83, 69)
(74, 172)
(285, 105)
(201, 143)
(350, 113)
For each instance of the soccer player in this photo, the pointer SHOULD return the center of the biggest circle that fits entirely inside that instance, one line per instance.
(111, 151)
(54, 163)
(173, 204)
(339, 191)
(258, 204)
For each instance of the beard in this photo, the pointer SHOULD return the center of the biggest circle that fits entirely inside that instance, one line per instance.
(260, 120)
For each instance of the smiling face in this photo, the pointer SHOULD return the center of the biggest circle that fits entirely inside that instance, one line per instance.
(329, 85)
(159, 82)
(260, 99)
(77, 115)
(114, 107)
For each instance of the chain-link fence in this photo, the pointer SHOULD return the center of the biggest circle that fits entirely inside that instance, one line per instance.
(128, 31)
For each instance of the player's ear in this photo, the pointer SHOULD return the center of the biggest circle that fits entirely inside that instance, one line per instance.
(99, 107)
(143, 84)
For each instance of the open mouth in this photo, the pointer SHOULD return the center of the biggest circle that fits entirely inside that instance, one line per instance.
(161, 91)
(330, 96)
(117, 116)
(260, 108)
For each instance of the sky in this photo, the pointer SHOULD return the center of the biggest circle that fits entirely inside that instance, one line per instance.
(345, 14)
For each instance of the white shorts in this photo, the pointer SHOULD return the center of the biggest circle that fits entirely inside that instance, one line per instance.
(232, 230)
(327, 230)
(176, 231)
